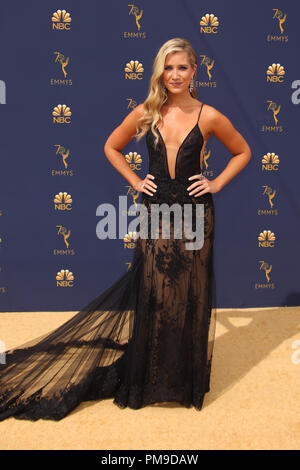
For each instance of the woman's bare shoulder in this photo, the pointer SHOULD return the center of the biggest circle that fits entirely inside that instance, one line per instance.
(214, 113)
(210, 110)
(214, 117)
(140, 109)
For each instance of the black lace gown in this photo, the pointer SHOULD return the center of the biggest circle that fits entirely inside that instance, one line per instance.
(146, 339)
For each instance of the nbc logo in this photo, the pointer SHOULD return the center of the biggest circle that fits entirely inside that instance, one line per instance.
(275, 73)
(270, 162)
(61, 20)
(134, 70)
(266, 239)
(64, 278)
(62, 201)
(134, 160)
(61, 114)
(129, 240)
(209, 24)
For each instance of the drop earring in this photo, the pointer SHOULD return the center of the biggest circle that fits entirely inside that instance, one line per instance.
(191, 85)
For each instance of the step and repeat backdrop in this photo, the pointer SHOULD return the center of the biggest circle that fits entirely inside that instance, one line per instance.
(71, 72)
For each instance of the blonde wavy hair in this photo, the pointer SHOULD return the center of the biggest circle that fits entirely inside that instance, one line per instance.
(158, 94)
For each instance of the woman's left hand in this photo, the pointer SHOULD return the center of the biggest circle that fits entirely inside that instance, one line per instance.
(202, 186)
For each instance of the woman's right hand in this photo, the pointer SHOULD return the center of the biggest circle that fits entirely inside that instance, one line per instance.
(145, 185)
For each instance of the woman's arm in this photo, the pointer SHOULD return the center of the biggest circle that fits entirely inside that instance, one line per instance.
(222, 128)
(118, 139)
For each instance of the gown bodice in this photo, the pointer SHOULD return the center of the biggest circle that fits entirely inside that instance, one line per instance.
(187, 162)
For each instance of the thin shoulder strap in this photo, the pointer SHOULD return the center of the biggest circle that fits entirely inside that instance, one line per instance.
(200, 112)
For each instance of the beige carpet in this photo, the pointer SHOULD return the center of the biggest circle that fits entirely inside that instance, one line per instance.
(254, 402)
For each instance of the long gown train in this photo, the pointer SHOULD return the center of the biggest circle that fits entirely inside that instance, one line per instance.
(148, 338)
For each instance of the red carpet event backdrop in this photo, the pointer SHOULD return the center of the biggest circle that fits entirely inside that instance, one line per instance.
(70, 73)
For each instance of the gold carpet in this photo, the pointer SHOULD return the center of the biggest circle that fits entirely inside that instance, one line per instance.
(254, 402)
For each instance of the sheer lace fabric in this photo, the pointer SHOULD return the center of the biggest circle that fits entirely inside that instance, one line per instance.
(148, 338)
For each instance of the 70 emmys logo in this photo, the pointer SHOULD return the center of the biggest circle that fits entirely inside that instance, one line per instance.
(278, 14)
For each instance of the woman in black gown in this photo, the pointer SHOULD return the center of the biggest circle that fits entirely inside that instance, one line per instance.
(149, 337)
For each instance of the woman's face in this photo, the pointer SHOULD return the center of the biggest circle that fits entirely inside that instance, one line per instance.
(178, 72)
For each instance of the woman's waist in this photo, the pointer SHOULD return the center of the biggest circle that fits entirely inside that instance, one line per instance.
(175, 190)
(178, 180)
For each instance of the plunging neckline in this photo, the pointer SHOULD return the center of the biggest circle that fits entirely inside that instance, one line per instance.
(179, 148)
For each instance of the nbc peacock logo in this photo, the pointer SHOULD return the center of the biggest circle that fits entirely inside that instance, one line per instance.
(61, 114)
(62, 202)
(275, 73)
(209, 24)
(134, 70)
(270, 162)
(64, 278)
(134, 159)
(129, 240)
(61, 20)
(266, 239)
